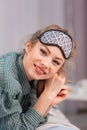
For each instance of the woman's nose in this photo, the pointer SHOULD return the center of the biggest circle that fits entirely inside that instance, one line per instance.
(46, 62)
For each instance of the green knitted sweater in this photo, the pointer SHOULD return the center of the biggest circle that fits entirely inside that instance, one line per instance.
(17, 96)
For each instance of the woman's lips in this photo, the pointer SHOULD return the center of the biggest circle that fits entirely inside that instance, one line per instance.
(38, 70)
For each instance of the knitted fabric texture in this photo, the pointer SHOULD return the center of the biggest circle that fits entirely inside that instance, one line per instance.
(13, 87)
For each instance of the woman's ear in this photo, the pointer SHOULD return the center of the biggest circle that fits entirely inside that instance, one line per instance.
(28, 47)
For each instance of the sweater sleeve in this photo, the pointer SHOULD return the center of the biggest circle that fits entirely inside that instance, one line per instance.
(11, 115)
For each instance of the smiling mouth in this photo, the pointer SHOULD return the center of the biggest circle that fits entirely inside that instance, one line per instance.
(38, 70)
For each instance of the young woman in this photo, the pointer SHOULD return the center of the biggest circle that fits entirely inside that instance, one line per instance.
(32, 82)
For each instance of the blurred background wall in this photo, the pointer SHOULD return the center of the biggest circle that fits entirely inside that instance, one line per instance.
(19, 18)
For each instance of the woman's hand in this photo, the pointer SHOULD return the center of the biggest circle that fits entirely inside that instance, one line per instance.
(55, 88)
(50, 92)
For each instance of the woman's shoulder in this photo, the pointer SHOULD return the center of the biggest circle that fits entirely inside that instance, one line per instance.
(8, 61)
(9, 54)
(8, 69)
(9, 57)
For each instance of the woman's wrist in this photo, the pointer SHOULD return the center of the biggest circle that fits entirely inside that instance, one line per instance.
(43, 104)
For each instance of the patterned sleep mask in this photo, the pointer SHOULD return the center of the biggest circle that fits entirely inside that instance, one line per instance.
(57, 38)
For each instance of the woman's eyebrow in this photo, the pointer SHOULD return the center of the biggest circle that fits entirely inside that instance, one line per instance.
(46, 48)
(59, 59)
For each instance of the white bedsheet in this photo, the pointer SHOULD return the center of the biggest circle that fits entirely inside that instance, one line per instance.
(57, 121)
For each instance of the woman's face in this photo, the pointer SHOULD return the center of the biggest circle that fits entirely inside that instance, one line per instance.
(41, 61)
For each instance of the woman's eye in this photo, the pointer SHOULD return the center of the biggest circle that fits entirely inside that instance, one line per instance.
(56, 62)
(43, 52)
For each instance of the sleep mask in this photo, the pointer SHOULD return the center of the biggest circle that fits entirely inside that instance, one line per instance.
(57, 38)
